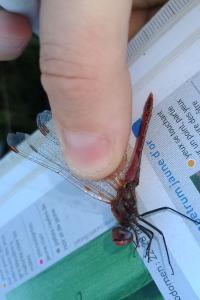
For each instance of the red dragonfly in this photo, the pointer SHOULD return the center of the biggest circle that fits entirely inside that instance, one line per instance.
(118, 190)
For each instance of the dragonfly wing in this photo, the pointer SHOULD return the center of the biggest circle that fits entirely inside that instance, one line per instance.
(21, 144)
(44, 149)
(46, 126)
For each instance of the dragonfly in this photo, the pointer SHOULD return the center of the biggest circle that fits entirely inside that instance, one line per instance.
(117, 190)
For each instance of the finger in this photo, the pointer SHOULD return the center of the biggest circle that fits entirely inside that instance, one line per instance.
(84, 71)
(15, 33)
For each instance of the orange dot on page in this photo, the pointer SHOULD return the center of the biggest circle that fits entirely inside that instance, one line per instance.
(191, 163)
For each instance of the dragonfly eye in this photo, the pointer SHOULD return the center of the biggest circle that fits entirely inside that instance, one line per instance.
(121, 236)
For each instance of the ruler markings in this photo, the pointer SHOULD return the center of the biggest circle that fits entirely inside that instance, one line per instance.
(162, 19)
(175, 5)
(179, 5)
(158, 25)
(164, 16)
(173, 9)
(184, 2)
(154, 25)
(168, 13)
(144, 37)
(141, 39)
(148, 31)
(160, 22)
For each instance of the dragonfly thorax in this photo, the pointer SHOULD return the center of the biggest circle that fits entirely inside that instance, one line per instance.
(124, 206)
(125, 210)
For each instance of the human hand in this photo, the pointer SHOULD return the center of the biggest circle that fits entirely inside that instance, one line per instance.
(15, 33)
(84, 72)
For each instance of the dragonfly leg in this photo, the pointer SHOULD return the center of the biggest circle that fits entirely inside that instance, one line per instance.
(150, 235)
(164, 208)
(136, 242)
(163, 237)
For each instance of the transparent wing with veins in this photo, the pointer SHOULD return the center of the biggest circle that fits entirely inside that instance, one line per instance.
(43, 148)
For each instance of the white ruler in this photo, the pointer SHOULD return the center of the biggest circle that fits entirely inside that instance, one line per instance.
(169, 14)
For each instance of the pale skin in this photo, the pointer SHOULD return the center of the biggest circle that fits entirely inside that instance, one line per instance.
(84, 72)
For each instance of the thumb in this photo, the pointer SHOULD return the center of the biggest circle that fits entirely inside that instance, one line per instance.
(15, 33)
(85, 74)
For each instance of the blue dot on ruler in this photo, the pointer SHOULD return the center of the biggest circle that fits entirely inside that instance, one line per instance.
(136, 127)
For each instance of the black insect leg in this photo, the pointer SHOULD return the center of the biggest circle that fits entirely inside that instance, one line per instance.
(163, 237)
(136, 242)
(136, 237)
(167, 208)
(150, 235)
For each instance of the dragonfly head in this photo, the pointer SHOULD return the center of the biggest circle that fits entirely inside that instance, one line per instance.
(121, 236)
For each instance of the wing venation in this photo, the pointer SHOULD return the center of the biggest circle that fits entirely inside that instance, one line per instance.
(43, 148)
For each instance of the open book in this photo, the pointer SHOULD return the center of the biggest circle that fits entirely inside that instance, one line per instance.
(34, 214)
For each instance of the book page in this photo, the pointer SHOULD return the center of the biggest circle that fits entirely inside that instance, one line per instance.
(171, 178)
(43, 218)
(170, 165)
